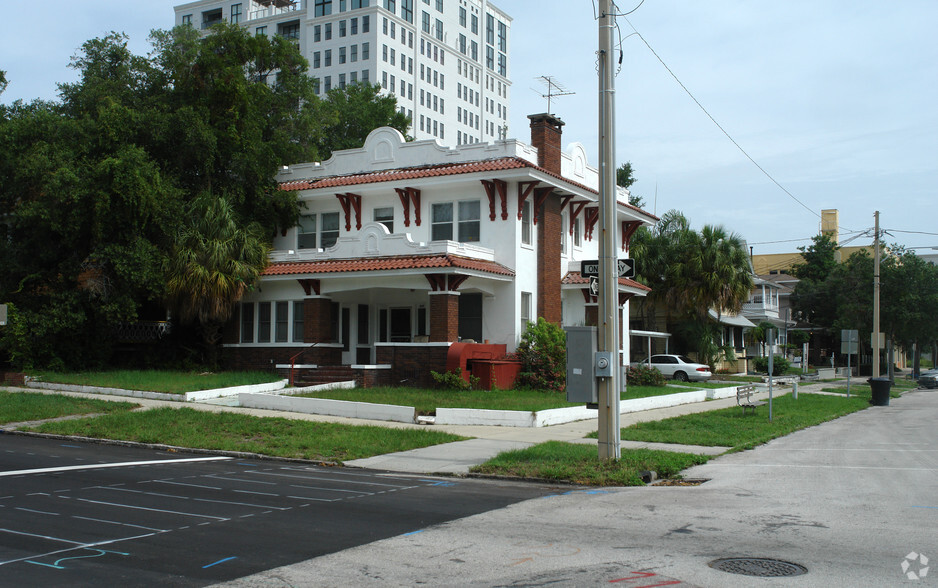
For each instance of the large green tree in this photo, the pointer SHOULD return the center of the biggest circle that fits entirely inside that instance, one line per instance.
(94, 187)
(353, 112)
(691, 273)
(214, 261)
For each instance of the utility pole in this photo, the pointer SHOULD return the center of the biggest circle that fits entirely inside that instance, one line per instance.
(876, 341)
(608, 299)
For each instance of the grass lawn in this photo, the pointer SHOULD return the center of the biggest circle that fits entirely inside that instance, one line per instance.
(17, 407)
(172, 382)
(279, 437)
(859, 387)
(580, 464)
(731, 427)
(427, 401)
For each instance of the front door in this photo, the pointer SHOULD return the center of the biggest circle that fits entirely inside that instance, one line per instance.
(400, 325)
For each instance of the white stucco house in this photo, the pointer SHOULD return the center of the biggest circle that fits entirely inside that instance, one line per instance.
(406, 252)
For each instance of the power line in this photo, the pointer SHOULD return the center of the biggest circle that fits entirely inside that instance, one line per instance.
(718, 125)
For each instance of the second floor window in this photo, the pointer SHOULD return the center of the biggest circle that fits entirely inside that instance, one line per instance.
(235, 13)
(526, 222)
(318, 230)
(385, 216)
(463, 225)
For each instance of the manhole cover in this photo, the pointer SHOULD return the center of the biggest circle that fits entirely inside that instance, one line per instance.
(758, 566)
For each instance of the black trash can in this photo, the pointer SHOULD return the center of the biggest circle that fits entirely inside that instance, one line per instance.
(880, 388)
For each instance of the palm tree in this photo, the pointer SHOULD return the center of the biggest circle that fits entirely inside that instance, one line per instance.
(214, 261)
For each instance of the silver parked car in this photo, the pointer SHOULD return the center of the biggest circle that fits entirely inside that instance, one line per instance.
(679, 367)
(928, 379)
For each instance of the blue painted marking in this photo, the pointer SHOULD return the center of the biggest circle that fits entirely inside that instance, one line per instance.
(914, 506)
(253, 465)
(72, 446)
(56, 565)
(219, 561)
(413, 533)
(439, 483)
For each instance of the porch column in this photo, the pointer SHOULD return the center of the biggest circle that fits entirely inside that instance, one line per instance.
(317, 320)
(444, 316)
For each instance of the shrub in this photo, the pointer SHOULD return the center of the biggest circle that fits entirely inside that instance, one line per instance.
(780, 365)
(644, 375)
(543, 355)
(453, 380)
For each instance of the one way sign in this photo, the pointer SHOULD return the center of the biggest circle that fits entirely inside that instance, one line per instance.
(625, 268)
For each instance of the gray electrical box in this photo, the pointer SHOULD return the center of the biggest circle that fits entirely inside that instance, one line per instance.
(581, 364)
(3, 315)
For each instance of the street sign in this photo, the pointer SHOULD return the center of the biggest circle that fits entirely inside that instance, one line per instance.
(625, 268)
(848, 341)
(594, 285)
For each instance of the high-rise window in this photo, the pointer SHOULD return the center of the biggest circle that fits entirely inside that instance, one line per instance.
(187, 19)
(323, 7)
(439, 5)
(462, 16)
(502, 37)
(365, 51)
(407, 10)
(439, 29)
(475, 24)
(261, 31)
(425, 18)
(235, 13)
(342, 29)
(353, 26)
(328, 31)
(391, 6)
(490, 29)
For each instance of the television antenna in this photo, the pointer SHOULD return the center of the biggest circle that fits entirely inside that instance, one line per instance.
(554, 89)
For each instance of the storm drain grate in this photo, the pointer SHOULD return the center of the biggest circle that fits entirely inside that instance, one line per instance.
(758, 566)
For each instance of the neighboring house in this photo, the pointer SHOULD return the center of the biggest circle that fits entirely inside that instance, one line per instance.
(406, 248)
(446, 62)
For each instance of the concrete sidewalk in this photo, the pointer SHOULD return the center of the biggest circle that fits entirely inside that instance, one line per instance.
(485, 441)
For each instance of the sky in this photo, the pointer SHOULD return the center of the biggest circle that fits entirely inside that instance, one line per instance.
(751, 114)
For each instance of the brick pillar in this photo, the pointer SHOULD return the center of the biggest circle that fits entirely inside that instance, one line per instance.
(546, 131)
(444, 316)
(592, 315)
(548, 260)
(317, 320)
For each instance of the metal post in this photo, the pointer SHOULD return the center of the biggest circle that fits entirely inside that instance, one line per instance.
(608, 392)
(771, 337)
(876, 341)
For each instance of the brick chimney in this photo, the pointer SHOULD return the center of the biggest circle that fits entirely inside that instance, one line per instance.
(546, 130)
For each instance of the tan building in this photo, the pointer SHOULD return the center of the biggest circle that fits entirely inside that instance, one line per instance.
(779, 263)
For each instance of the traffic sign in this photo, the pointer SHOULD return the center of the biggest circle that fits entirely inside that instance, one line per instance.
(594, 285)
(625, 268)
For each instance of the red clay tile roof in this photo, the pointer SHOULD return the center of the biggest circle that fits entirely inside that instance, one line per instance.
(331, 266)
(574, 278)
(429, 171)
(410, 173)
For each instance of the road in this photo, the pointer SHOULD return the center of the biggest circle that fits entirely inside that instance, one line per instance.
(81, 514)
(851, 501)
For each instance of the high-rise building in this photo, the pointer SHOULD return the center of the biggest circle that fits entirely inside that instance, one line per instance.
(446, 61)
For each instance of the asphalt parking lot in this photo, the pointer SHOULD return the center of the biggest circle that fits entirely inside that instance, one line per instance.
(81, 514)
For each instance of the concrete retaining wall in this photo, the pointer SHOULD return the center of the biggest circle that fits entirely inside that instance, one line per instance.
(187, 397)
(340, 408)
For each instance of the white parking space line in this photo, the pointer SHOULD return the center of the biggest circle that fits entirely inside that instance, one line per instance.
(110, 465)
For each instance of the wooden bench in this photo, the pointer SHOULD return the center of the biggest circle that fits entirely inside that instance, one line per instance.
(744, 398)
